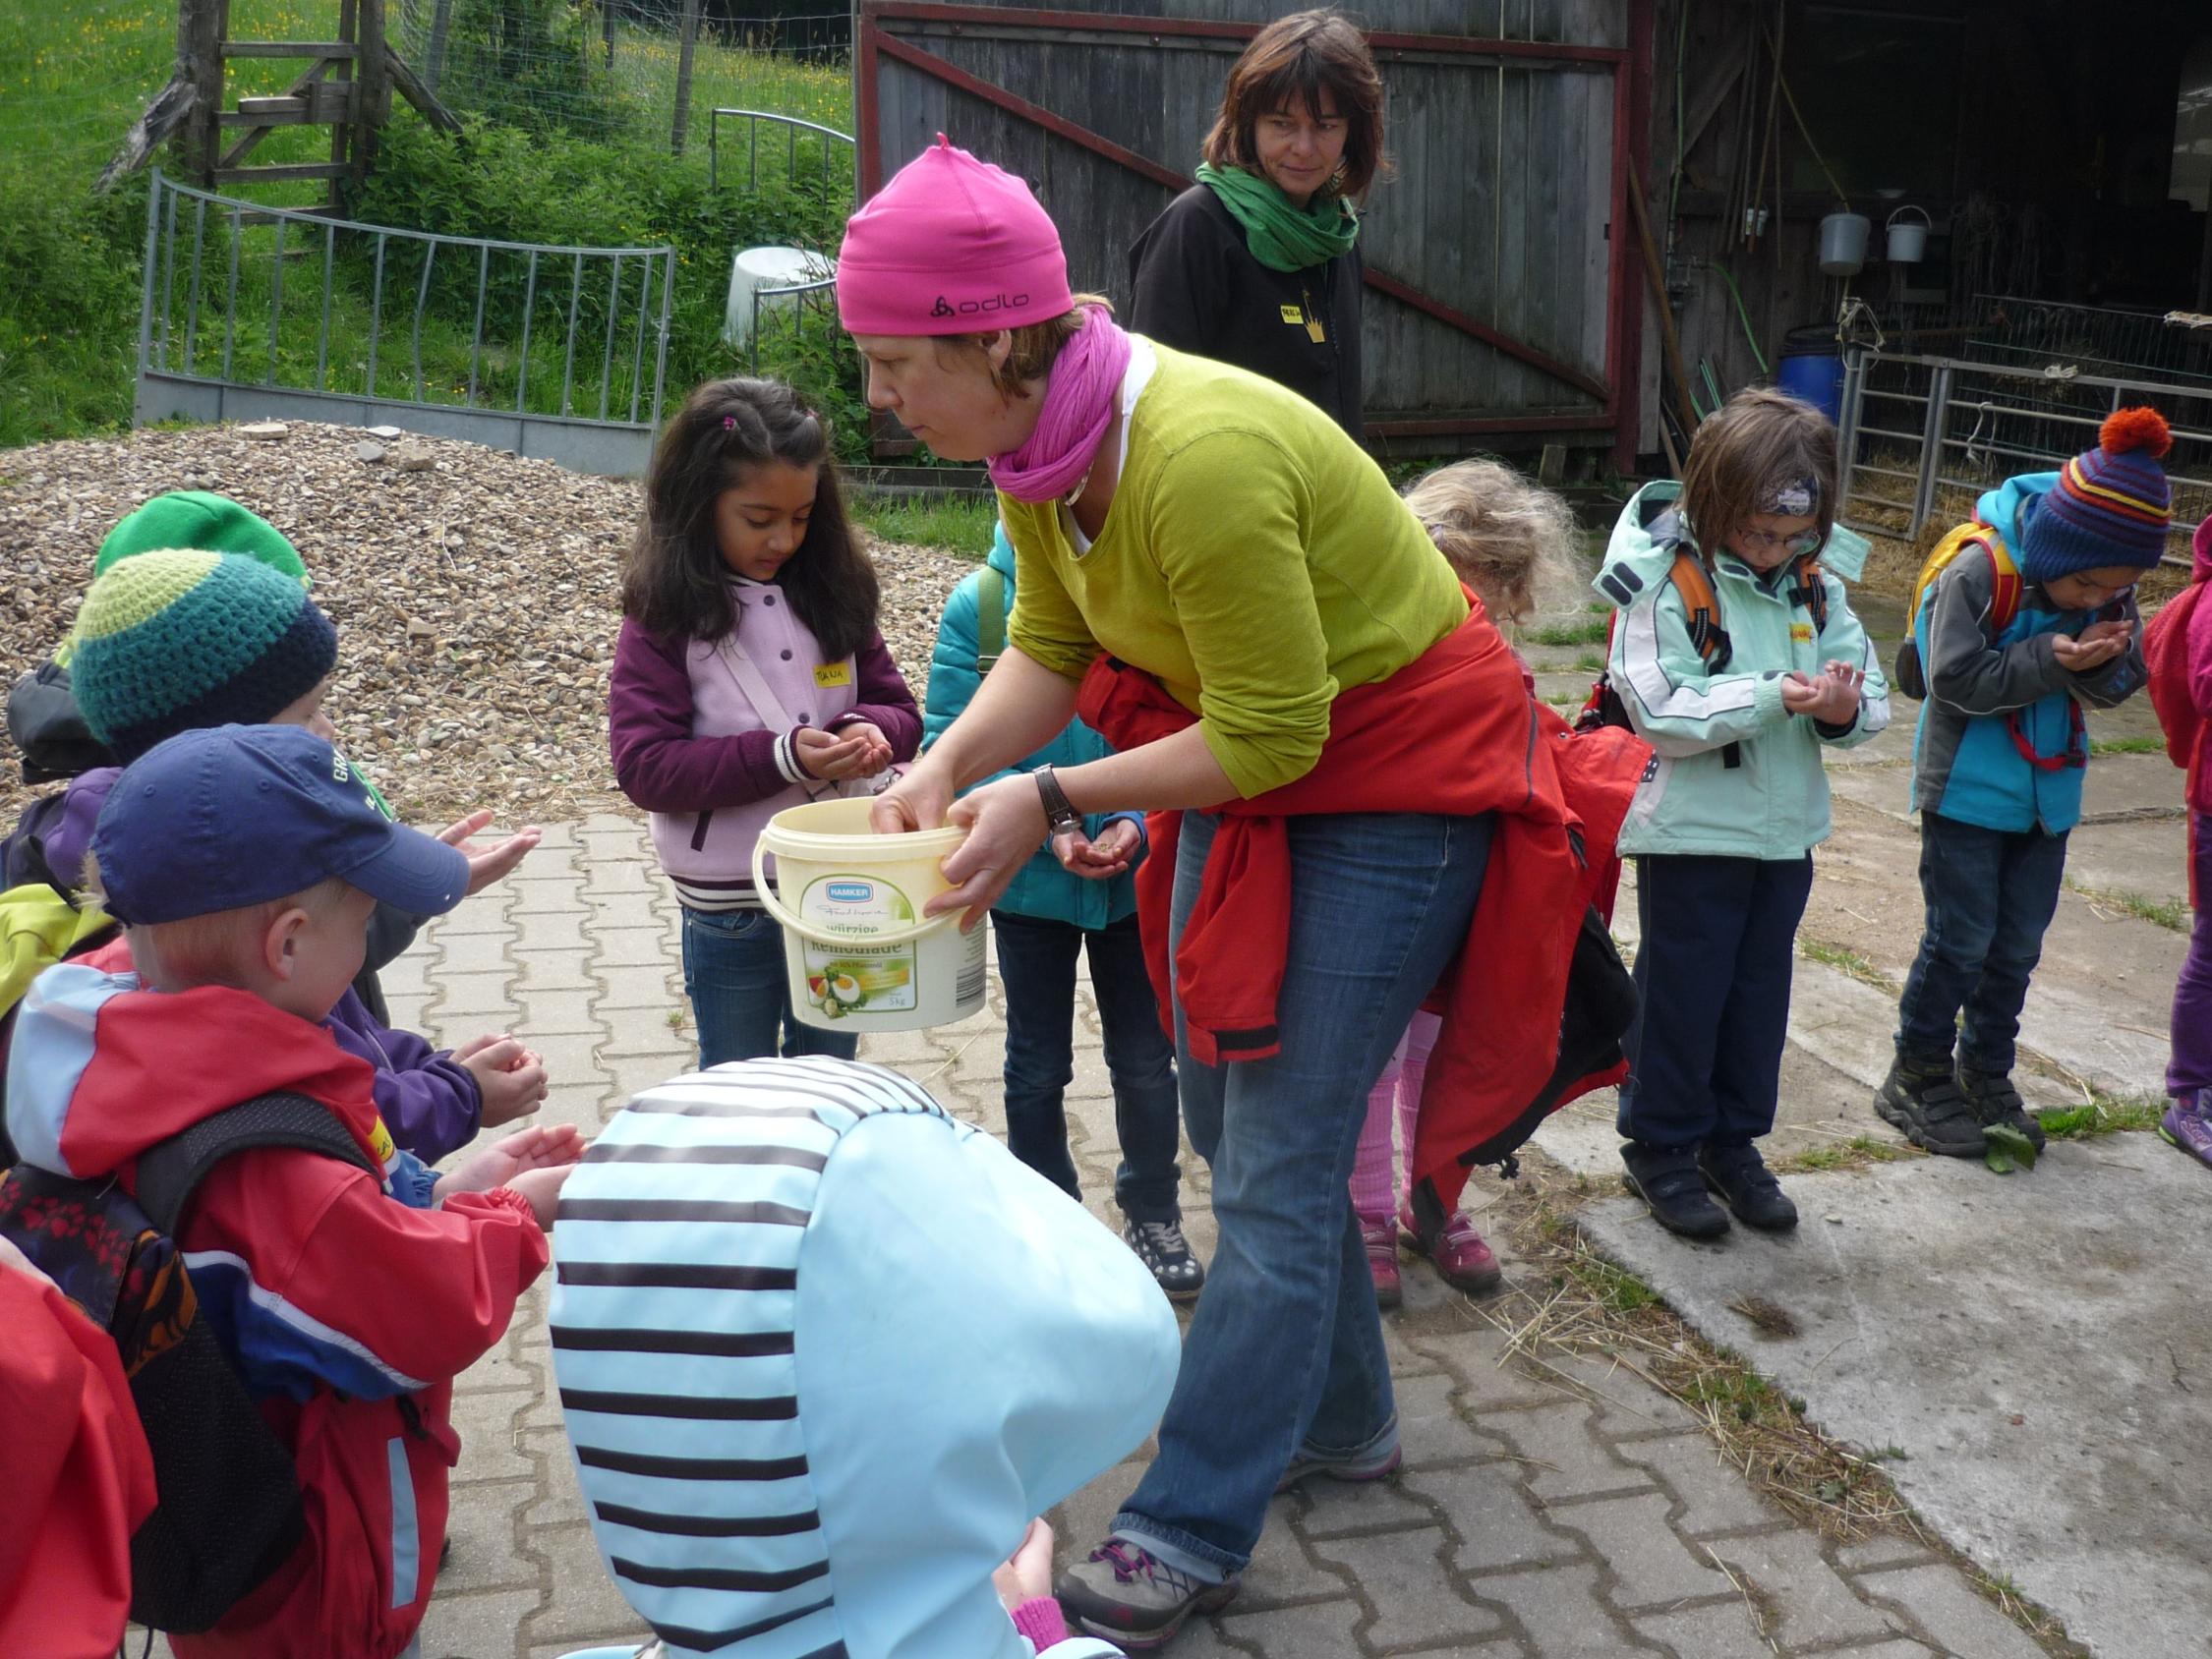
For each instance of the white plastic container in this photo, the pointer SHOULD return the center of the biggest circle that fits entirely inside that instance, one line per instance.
(1906, 241)
(1843, 244)
(755, 268)
(859, 952)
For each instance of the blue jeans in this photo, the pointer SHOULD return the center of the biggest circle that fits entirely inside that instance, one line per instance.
(733, 974)
(1285, 1352)
(1990, 894)
(1037, 964)
(1713, 997)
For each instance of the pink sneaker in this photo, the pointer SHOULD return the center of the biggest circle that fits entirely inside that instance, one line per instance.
(1382, 1261)
(1463, 1260)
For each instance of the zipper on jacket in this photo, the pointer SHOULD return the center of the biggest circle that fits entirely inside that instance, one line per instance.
(699, 830)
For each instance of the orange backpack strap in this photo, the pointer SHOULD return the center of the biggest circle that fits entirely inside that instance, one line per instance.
(2007, 586)
(1701, 609)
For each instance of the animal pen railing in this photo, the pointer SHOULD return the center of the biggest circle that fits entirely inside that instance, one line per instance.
(251, 312)
(1922, 438)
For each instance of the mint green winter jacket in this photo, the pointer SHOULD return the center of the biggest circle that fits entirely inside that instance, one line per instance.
(1734, 775)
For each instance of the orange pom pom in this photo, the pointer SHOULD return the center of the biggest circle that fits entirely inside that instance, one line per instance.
(2140, 427)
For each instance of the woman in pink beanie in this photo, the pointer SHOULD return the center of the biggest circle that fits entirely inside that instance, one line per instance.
(1219, 546)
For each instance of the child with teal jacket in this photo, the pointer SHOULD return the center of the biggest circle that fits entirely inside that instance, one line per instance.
(1048, 920)
(1738, 695)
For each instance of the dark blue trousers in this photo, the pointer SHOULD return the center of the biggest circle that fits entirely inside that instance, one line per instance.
(1713, 974)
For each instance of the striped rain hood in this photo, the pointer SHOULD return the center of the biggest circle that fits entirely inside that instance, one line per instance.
(823, 1350)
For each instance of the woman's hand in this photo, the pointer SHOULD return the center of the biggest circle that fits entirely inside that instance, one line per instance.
(1005, 823)
(1102, 858)
(917, 801)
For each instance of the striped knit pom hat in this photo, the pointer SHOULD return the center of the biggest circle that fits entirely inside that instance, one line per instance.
(170, 640)
(2112, 505)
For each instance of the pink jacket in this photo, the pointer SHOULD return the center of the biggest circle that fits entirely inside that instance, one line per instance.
(2200, 675)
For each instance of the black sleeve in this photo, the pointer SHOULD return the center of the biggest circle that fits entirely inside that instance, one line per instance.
(391, 931)
(1176, 277)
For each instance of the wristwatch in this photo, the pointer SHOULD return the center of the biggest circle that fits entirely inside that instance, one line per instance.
(1060, 815)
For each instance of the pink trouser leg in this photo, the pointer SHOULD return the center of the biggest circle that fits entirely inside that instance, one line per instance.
(1373, 1186)
(1419, 1043)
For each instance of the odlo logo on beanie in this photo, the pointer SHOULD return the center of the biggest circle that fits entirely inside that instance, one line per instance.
(973, 308)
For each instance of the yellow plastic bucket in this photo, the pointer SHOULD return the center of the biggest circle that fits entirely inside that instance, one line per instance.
(860, 953)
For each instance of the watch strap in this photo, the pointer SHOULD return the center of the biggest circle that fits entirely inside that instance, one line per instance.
(1060, 811)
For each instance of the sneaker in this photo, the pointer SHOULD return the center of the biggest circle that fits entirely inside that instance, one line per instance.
(1381, 1239)
(1125, 1594)
(1922, 1098)
(1747, 1186)
(1666, 1178)
(1462, 1258)
(2188, 1123)
(1161, 1247)
(1997, 1104)
(1369, 1465)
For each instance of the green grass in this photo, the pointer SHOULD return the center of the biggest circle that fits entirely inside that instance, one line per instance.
(1588, 632)
(2127, 746)
(1588, 663)
(1843, 960)
(959, 524)
(2104, 1115)
(1857, 1153)
(2172, 914)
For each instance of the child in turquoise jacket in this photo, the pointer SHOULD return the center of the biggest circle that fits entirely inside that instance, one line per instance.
(1048, 920)
(1739, 665)
(2031, 619)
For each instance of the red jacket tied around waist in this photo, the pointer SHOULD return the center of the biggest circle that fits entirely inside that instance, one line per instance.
(1454, 734)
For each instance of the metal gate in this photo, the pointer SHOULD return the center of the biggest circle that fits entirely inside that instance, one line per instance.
(1922, 438)
(1501, 250)
(251, 312)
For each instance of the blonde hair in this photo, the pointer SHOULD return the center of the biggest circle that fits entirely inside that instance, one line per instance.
(1498, 531)
(217, 948)
(1035, 345)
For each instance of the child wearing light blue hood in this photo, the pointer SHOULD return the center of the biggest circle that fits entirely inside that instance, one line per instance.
(796, 1445)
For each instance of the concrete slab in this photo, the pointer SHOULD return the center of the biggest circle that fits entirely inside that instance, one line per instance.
(2149, 857)
(2036, 1345)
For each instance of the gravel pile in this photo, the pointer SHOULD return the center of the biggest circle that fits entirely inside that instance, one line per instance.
(474, 593)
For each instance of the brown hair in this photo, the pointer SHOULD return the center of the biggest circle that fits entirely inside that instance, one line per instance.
(674, 583)
(1035, 346)
(1498, 531)
(1758, 438)
(1295, 60)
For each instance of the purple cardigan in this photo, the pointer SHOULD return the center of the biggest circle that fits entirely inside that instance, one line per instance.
(663, 768)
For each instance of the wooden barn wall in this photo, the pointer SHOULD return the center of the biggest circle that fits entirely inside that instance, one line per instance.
(1499, 205)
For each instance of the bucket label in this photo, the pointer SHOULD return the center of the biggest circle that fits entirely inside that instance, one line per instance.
(852, 976)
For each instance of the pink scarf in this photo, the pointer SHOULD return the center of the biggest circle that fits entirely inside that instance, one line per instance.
(1079, 396)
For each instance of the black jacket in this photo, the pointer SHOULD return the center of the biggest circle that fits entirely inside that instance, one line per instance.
(1198, 289)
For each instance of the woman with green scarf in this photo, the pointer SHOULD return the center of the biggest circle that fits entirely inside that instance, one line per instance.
(1258, 264)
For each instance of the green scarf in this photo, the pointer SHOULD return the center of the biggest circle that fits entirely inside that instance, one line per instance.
(1282, 237)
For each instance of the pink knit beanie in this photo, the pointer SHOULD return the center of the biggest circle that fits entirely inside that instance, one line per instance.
(950, 245)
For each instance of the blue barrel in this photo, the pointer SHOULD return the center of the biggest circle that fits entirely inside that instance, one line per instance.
(1812, 368)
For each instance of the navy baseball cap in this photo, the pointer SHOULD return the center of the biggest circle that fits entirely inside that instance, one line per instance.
(225, 817)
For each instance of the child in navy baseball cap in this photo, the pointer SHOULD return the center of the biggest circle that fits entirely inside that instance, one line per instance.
(243, 863)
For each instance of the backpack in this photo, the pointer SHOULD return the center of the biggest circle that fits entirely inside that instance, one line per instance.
(2007, 591)
(1700, 608)
(2166, 652)
(228, 1510)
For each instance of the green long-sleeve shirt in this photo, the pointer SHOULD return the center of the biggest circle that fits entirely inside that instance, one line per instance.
(1253, 558)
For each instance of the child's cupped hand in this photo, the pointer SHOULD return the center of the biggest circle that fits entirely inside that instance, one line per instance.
(511, 1078)
(487, 864)
(506, 1162)
(543, 1188)
(2097, 645)
(857, 750)
(1831, 697)
(1100, 858)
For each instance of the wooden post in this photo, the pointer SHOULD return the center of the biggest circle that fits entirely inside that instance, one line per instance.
(342, 72)
(689, 44)
(605, 27)
(199, 62)
(441, 25)
(371, 103)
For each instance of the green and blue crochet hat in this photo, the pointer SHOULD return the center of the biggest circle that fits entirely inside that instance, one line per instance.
(171, 640)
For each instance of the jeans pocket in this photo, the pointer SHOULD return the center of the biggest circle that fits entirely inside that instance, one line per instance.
(731, 924)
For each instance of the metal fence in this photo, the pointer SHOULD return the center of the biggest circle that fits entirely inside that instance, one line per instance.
(801, 139)
(252, 312)
(1922, 438)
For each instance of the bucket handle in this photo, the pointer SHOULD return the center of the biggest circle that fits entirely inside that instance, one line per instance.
(1926, 223)
(771, 902)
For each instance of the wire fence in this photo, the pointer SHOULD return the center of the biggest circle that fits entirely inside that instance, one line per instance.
(617, 69)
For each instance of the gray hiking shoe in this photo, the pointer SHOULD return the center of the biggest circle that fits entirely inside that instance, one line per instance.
(1921, 1097)
(1372, 1466)
(1125, 1594)
(1997, 1104)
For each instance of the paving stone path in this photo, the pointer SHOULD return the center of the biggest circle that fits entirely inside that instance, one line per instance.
(1538, 1515)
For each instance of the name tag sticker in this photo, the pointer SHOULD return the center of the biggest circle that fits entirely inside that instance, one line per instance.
(1801, 632)
(840, 673)
(1294, 316)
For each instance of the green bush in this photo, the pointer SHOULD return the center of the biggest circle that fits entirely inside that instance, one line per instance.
(69, 307)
